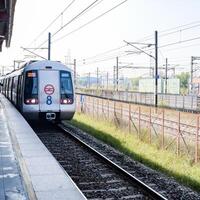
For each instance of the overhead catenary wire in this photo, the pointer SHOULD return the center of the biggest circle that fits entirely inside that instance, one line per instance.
(89, 22)
(183, 47)
(182, 41)
(149, 37)
(184, 29)
(51, 23)
(102, 54)
(125, 54)
(110, 57)
(174, 43)
(70, 21)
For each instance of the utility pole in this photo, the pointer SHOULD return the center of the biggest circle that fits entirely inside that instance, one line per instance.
(49, 46)
(166, 65)
(107, 81)
(193, 70)
(75, 72)
(89, 80)
(117, 72)
(191, 75)
(156, 62)
(156, 69)
(97, 78)
(114, 78)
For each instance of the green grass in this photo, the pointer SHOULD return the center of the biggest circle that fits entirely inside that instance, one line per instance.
(165, 161)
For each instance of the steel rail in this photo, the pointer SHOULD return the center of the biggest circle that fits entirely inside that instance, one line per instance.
(148, 190)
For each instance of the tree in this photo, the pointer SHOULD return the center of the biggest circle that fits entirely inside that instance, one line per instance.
(184, 81)
(135, 83)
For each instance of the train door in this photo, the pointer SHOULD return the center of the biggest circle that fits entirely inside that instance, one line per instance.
(49, 91)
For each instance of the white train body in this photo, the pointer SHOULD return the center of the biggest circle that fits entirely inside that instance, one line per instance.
(41, 89)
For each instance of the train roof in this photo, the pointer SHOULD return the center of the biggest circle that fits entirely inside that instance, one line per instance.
(44, 64)
(39, 65)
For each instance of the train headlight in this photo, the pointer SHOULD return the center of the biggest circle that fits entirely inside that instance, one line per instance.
(66, 101)
(31, 101)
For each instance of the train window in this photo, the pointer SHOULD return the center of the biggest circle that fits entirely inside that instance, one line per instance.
(31, 87)
(66, 83)
(12, 87)
(19, 88)
(4, 83)
(9, 88)
(66, 88)
(31, 74)
(15, 89)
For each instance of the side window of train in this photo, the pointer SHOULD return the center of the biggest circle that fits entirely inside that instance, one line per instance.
(19, 90)
(11, 91)
(15, 89)
(1, 84)
(3, 89)
(10, 88)
(4, 83)
(7, 87)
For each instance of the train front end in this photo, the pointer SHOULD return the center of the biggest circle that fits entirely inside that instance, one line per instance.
(48, 92)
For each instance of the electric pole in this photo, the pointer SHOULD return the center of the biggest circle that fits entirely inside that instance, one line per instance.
(75, 72)
(156, 69)
(117, 72)
(49, 46)
(156, 62)
(166, 65)
(191, 75)
(107, 80)
(89, 80)
(97, 78)
(114, 78)
(193, 70)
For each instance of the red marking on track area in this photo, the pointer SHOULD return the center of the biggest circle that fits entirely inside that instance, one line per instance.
(49, 89)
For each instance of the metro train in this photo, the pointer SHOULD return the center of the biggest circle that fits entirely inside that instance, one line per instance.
(41, 90)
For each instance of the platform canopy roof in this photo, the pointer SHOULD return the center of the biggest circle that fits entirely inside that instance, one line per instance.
(7, 9)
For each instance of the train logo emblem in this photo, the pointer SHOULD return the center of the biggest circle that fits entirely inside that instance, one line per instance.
(49, 89)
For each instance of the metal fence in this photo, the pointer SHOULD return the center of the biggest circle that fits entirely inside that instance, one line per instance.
(180, 102)
(168, 129)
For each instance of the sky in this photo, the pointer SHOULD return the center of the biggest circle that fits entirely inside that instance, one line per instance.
(132, 21)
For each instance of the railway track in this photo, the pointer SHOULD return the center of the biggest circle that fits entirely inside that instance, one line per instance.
(97, 176)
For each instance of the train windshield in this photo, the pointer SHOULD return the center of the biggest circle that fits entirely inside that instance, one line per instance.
(66, 83)
(31, 85)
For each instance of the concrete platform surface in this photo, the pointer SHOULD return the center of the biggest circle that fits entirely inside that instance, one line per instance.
(27, 168)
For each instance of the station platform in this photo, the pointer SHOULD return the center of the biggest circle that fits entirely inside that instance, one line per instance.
(27, 168)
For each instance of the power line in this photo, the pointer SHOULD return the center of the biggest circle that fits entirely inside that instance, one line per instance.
(89, 22)
(111, 57)
(194, 22)
(179, 30)
(70, 21)
(148, 37)
(123, 55)
(174, 43)
(25, 49)
(183, 47)
(42, 32)
(102, 54)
